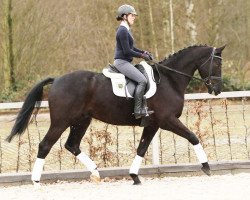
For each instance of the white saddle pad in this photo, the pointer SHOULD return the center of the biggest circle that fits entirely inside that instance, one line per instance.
(119, 82)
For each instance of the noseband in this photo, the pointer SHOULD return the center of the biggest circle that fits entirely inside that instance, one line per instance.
(208, 80)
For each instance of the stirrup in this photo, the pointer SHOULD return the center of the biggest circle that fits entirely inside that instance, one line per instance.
(148, 112)
(144, 113)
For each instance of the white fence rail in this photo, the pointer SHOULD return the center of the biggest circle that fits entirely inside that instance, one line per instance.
(235, 94)
(18, 105)
(193, 96)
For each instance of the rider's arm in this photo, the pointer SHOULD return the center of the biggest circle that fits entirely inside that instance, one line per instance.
(138, 50)
(124, 40)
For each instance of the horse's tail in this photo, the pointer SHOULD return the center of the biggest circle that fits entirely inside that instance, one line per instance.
(32, 100)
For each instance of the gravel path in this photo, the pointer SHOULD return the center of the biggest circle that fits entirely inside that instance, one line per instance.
(217, 187)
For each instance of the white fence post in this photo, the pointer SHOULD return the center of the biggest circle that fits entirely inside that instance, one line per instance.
(155, 149)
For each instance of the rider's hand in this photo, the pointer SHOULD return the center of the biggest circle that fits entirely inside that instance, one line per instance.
(150, 55)
(145, 56)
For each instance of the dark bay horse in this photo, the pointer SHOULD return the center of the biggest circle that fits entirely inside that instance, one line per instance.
(76, 98)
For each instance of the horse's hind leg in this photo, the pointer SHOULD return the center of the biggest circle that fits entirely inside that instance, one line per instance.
(72, 144)
(53, 134)
(146, 138)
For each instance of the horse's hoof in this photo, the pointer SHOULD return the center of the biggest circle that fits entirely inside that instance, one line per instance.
(36, 184)
(137, 183)
(95, 177)
(206, 169)
(135, 179)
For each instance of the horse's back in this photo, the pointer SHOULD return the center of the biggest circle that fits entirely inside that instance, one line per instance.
(88, 93)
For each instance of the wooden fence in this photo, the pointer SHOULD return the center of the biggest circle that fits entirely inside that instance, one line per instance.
(222, 124)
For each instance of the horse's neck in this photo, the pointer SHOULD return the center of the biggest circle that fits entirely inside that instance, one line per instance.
(179, 81)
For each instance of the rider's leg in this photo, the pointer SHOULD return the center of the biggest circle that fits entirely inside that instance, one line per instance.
(138, 97)
(134, 74)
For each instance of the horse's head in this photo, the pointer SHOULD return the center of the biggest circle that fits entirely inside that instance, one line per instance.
(210, 71)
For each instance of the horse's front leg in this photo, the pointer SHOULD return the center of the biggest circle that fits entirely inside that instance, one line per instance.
(175, 125)
(147, 136)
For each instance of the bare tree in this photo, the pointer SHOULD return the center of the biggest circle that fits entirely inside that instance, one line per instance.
(190, 24)
(153, 30)
(247, 30)
(142, 45)
(171, 24)
(7, 43)
(166, 24)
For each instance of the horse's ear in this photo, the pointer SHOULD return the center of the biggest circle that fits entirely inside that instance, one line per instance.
(220, 49)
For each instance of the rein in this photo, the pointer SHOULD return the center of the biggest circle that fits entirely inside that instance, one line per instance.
(206, 80)
(173, 70)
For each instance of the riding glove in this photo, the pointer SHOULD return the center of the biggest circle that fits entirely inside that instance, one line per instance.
(150, 55)
(145, 56)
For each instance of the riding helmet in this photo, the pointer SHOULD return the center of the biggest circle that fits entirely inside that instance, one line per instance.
(125, 10)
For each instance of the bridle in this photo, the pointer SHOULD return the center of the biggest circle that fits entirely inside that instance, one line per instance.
(207, 80)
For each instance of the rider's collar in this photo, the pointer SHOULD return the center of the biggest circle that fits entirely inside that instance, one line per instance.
(124, 23)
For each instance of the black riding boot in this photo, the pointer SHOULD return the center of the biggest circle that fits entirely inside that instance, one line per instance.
(139, 93)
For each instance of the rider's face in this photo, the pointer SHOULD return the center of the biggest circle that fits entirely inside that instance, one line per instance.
(131, 19)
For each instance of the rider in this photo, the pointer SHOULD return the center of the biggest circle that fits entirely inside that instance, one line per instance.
(124, 53)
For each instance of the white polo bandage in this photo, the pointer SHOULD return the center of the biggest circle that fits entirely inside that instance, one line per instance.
(37, 169)
(134, 169)
(200, 153)
(89, 164)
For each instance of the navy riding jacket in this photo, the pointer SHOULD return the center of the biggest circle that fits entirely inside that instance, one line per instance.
(125, 49)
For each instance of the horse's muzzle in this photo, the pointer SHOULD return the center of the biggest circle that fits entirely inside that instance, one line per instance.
(216, 92)
(214, 88)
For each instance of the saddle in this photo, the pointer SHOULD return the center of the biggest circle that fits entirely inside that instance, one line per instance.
(124, 87)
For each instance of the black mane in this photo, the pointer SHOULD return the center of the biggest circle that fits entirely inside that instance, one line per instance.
(173, 57)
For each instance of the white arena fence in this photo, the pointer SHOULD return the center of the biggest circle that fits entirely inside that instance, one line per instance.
(221, 122)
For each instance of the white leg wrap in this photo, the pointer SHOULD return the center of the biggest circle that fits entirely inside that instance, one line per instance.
(91, 166)
(37, 169)
(95, 176)
(134, 169)
(200, 153)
